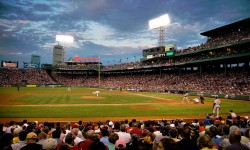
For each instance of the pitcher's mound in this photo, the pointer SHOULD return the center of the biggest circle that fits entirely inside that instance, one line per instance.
(91, 97)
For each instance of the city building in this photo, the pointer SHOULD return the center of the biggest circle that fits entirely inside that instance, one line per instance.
(58, 55)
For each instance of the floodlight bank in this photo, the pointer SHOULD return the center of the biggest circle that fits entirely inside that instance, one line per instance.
(64, 38)
(159, 22)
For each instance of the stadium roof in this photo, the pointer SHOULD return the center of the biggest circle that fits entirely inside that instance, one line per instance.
(224, 29)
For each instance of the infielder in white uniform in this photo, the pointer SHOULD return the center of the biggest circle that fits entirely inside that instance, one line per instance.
(216, 107)
(196, 100)
(69, 89)
(185, 98)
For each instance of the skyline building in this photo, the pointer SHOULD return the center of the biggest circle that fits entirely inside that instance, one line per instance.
(58, 55)
(35, 59)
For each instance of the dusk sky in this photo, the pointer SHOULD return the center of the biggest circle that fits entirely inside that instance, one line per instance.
(109, 29)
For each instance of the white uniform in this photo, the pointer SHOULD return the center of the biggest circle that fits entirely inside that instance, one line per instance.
(69, 89)
(185, 98)
(196, 100)
(97, 93)
(216, 107)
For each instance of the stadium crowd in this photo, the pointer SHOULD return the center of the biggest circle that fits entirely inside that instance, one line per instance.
(10, 76)
(231, 133)
(235, 83)
(222, 40)
(131, 65)
(78, 66)
(69, 79)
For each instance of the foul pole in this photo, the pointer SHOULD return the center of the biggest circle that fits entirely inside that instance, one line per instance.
(99, 73)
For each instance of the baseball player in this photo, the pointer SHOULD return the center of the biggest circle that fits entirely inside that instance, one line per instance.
(216, 107)
(97, 93)
(196, 100)
(202, 99)
(185, 98)
(69, 89)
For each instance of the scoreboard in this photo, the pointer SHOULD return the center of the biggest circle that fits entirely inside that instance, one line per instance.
(160, 51)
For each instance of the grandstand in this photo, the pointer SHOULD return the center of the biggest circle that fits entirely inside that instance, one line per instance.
(220, 66)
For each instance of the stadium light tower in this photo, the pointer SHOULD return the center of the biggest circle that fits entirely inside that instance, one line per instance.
(160, 23)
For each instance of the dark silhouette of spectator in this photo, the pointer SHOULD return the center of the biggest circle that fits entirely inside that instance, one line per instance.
(1, 129)
(6, 141)
(234, 139)
(168, 144)
(97, 145)
(187, 141)
(31, 140)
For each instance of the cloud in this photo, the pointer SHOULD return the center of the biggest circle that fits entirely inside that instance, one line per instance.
(109, 28)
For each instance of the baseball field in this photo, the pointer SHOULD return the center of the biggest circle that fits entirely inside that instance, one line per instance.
(59, 104)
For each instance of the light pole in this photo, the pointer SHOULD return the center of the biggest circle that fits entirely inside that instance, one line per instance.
(108, 62)
(135, 58)
(127, 59)
(114, 61)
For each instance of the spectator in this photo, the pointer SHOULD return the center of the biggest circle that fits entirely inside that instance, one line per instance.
(168, 144)
(88, 139)
(204, 142)
(97, 144)
(123, 135)
(75, 132)
(50, 144)
(235, 138)
(214, 136)
(31, 140)
(6, 141)
(226, 141)
(22, 136)
(173, 135)
(12, 125)
(186, 140)
(113, 137)
(136, 130)
(120, 145)
(16, 132)
(149, 138)
(105, 134)
(69, 140)
(1, 129)
(41, 138)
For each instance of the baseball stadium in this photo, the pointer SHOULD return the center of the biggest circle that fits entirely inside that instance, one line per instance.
(161, 87)
(152, 88)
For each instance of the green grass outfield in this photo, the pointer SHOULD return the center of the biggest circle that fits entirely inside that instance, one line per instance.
(80, 102)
